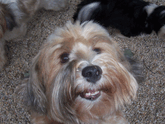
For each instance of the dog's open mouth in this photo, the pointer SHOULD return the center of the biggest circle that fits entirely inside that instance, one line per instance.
(91, 94)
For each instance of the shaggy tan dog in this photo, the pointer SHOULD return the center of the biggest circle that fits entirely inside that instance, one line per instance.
(79, 77)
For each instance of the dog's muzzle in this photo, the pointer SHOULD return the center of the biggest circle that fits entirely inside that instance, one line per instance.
(92, 73)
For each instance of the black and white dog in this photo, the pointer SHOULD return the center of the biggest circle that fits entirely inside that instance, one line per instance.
(130, 17)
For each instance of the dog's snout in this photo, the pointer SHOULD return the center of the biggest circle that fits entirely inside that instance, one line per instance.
(92, 73)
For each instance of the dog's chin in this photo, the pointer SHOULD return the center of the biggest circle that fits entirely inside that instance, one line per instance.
(90, 94)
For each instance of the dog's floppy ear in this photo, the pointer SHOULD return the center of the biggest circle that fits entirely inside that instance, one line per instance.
(36, 98)
(9, 16)
(135, 66)
(7, 20)
(10, 21)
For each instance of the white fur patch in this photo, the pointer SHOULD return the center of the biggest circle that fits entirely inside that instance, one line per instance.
(150, 8)
(90, 28)
(161, 32)
(79, 46)
(83, 48)
(87, 11)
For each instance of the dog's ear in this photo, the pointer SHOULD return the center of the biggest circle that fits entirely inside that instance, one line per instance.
(9, 16)
(135, 66)
(36, 98)
(7, 20)
(10, 22)
(86, 11)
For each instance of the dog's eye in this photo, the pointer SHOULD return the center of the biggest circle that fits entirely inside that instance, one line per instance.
(97, 50)
(64, 57)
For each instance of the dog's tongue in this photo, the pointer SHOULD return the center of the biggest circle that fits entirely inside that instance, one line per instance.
(90, 94)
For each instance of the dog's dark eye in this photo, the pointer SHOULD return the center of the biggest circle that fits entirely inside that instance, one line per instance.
(64, 57)
(97, 50)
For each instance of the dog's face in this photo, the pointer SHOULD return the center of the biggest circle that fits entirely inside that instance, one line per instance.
(80, 75)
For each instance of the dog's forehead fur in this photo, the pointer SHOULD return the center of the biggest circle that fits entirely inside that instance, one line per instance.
(79, 41)
(79, 38)
(77, 31)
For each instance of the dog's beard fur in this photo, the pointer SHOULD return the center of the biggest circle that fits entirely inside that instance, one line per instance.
(14, 15)
(58, 91)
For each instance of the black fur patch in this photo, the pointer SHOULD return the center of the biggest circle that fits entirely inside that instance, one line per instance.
(129, 16)
(156, 20)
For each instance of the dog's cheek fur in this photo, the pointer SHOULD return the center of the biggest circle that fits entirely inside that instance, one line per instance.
(63, 95)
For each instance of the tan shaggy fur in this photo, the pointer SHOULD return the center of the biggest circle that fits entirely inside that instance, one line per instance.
(57, 92)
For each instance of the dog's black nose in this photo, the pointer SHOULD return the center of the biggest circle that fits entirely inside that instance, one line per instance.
(92, 73)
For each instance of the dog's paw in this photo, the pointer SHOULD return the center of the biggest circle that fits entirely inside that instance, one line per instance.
(161, 32)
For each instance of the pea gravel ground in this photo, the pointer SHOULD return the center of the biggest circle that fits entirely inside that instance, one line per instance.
(148, 108)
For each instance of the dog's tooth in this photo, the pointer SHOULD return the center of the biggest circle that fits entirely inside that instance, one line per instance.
(91, 94)
(88, 94)
(95, 93)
